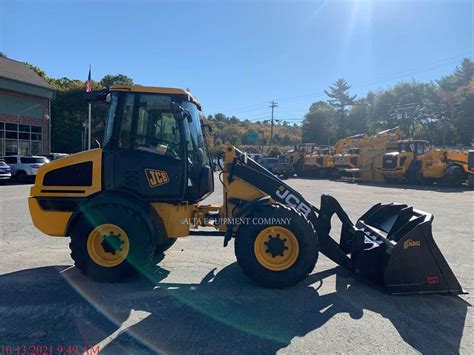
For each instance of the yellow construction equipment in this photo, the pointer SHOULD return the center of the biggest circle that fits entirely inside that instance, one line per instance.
(352, 141)
(295, 157)
(346, 151)
(319, 163)
(125, 203)
(415, 163)
(361, 158)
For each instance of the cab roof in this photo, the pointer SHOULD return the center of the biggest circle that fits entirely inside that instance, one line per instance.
(156, 90)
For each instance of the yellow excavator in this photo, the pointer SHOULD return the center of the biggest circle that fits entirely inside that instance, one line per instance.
(360, 159)
(346, 151)
(416, 163)
(127, 202)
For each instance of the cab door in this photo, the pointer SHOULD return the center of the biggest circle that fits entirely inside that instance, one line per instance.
(148, 158)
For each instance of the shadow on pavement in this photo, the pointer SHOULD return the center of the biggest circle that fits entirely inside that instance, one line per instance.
(224, 313)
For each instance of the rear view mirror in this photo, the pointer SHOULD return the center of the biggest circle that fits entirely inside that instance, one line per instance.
(180, 112)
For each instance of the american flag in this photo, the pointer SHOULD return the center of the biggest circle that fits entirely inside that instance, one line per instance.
(89, 81)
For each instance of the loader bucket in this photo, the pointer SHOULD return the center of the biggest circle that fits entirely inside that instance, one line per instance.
(394, 246)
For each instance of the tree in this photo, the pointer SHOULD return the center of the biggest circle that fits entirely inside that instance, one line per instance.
(317, 124)
(358, 117)
(407, 105)
(339, 100)
(462, 75)
(118, 79)
(37, 70)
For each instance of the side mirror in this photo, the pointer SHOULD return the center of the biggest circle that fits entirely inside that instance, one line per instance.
(98, 143)
(180, 112)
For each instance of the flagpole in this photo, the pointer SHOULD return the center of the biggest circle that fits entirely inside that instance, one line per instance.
(89, 124)
(89, 118)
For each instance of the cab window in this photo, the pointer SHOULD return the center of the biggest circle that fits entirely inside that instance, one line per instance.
(195, 140)
(126, 124)
(420, 149)
(157, 130)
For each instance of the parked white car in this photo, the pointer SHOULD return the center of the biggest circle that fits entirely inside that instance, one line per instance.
(24, 168)
(5, 171)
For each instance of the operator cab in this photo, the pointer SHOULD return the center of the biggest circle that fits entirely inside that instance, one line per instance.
(417, 147)
(154, 145)
(353, 151)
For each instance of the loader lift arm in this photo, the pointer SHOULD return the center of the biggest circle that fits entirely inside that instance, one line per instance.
(264, 180)
(368, 248)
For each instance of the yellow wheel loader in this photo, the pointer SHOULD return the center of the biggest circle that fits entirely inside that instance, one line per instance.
(125, 203)
(415, 163)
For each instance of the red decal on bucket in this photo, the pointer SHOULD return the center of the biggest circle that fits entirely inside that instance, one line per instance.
(433, 280)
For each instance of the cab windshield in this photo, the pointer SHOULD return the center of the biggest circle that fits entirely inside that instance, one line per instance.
(147, 122)
(413, 147)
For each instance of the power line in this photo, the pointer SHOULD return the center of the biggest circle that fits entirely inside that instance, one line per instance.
(420, 68)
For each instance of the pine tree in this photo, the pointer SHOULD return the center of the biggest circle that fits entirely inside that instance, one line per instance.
(340, 99)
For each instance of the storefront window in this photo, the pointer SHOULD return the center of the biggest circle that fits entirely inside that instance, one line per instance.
(36, 148)
(11, 147)
(20, 139)
(24, 148)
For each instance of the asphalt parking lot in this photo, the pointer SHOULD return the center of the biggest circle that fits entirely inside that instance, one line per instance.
(198, 301)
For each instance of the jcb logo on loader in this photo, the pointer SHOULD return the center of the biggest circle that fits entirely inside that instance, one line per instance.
(156, 177)
(293, 201)
(411, 243)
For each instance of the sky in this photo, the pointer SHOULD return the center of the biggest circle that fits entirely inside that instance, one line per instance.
(236, 56)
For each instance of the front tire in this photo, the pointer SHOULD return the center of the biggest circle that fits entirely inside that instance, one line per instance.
(277, 254)
(111, 243)
(165, 246)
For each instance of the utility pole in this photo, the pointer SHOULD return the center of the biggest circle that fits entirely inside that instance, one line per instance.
(273, 104)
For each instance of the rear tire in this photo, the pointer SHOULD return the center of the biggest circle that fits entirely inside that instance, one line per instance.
(133, 245)
(455, 175)
(297, 238)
